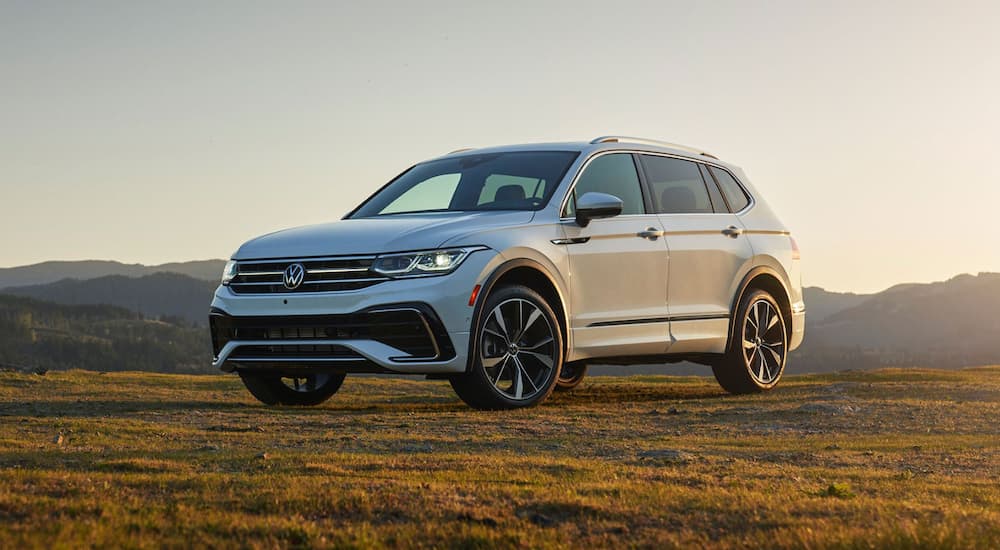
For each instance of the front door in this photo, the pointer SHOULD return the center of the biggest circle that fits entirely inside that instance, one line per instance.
(618, 267)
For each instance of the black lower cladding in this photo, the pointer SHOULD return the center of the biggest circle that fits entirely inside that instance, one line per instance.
(411, 328)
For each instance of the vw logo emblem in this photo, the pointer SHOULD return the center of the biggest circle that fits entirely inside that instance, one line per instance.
(294, 275)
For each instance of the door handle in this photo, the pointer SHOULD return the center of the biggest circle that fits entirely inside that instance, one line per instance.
(651, 233)
(732, 231)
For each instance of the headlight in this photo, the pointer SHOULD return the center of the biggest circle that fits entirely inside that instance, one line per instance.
(422, 264)
(231, 270)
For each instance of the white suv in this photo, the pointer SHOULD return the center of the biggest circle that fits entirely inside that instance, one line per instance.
(508, 270)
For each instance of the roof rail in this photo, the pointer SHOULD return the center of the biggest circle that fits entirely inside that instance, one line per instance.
(627, 139)
(462, 150)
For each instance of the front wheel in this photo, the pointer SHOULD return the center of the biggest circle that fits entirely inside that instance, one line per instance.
(519, 351)
(759, 347)
(298, 391)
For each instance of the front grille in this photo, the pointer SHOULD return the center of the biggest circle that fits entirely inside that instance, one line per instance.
(321, 275)
(414, 330)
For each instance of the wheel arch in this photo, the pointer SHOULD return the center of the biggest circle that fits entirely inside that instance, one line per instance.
(766, 279)
(531, 274)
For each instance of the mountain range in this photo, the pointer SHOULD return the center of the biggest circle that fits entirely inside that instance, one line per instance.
(50, 272)
(947, 324)
(154, 296)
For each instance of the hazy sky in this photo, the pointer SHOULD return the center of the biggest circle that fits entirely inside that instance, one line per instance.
(150, 132)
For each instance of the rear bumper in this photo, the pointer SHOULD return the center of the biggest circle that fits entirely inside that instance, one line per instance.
(798, 326)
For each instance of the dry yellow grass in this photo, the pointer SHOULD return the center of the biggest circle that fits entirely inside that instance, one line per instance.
(857, 460)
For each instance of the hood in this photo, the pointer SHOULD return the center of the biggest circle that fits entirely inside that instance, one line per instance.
(363, 236)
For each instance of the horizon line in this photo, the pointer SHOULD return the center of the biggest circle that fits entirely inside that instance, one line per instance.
(827, 289)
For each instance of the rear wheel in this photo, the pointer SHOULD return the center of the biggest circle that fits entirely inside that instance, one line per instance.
(759, 347)
(299, 391)
(570, 375)
(519, 352)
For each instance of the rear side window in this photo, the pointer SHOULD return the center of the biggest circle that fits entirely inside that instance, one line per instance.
(735, 194)
(676, 185)
(614, 174)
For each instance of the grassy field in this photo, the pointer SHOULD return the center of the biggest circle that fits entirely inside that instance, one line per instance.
(894, 458)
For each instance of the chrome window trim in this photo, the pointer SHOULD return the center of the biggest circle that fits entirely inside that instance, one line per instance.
(586, 163)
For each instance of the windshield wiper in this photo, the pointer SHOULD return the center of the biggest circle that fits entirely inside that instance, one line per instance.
(418, 212)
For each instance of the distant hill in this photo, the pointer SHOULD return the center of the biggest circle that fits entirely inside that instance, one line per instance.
(154, 296)
(37, 334)
(821, 303)
(948, 324)
(50, 272)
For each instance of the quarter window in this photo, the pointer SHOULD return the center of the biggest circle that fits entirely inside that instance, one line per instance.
(614, 174)
(676, 186)
(734, 193)
(713, 190)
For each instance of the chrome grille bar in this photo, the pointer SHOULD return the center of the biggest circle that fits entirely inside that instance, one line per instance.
(326, 274)
(342, 270)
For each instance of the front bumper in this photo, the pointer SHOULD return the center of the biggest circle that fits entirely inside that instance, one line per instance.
(352, 331)
(366, 340)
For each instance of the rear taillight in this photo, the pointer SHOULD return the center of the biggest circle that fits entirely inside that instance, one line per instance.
(796, 255)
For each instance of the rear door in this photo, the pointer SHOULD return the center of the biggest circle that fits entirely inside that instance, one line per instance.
(707, 250)
(618, 278)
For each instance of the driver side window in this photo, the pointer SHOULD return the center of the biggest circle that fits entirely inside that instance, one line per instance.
(614, 174)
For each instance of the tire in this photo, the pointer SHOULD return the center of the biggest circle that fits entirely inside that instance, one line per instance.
(512, 375)
(570, 375)
(303, 391)
(755, 360)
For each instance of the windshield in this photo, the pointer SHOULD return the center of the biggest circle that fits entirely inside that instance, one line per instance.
(491, 181)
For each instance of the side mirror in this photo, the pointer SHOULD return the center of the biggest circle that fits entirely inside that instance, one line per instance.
(592, 206)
